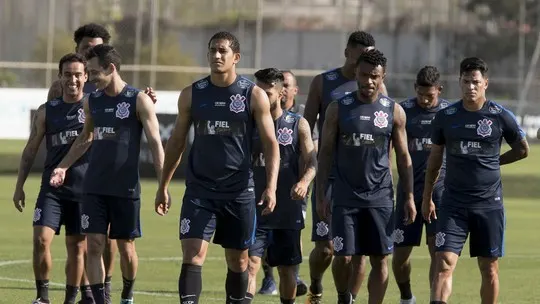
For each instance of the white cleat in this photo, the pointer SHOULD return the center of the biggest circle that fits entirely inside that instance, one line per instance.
(409, 301)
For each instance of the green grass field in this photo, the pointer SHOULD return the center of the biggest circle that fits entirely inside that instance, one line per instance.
(159, 249)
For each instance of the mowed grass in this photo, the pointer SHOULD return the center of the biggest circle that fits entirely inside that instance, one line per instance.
(159, 249)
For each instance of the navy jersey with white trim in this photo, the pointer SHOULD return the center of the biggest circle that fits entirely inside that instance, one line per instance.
(219, 163)
(288, 212)
(114, 157)
(473, 142)
(362, 153)
(63, 124)
(419, 129)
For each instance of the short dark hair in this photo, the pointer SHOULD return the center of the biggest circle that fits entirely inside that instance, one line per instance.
(471, 64)
(106, 54)
(361, 38)
(374, 57)
(270, 76)
(91, 30)
(71, 57)
(428, 76)
(233, 41)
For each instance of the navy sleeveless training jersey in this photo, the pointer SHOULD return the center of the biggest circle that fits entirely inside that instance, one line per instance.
(473, 143)
(288, 212)
(89, 87)
(219, 163)
(419, 129)
(363, 176)
(114, 158)
(63, 123)
(334, 87)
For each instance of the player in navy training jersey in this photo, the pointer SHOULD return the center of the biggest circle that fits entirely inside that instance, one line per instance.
(279, 233)
(58, 121)
(355, 145)
(116, 115)
(471, 132)
(224, 108)
(324, 89)
(420, 112)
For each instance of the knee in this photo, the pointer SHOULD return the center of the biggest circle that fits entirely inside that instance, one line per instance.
(237, 262)
(287, 271)
(378, 262)
(489, 269)
(41, 243)
(444, 264)
(127, 249)
(254, 266)
(343, 260)
(324, 248)
(76, 246)
(95, 245)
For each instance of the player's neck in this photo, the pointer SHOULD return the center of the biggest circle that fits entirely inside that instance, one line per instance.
(115, 87)
(223, 79)
(474, 105)
(72, 99)
(277, 112)
(366, 99)
(348, 72)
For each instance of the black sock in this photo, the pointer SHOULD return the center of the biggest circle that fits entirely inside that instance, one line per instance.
(86, 293)
(353, 297)
(98, 291)
(268, 272)
(248, 298)
(107, 291)
(42, 288)
(71, 294)
(405, 290)
(287, 301)
(236, 285)
(437, 302)
(190, 283)
(127, 290)
(344, 298)
(316, 286)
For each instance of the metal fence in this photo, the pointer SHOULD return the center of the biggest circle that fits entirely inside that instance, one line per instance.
(163, 42)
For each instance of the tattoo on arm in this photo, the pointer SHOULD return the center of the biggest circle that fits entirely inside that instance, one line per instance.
(37, 132)
(309, 156)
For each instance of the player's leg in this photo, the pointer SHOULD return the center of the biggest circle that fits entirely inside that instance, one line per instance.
(378, 244)
(268, 285)
(75, 247)
(320, 257)
(452, 231)
(285, 252)
(358, 274)
(109, 259)
(235, 231)
(94, 223)
(46, 222)
(125, 228)
(487, 243)
(301, 287)
(197, 225)
(344, 227)
(405, 237)
(430, 242)
(257, 254)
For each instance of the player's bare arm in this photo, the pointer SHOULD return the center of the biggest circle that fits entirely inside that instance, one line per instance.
(148, 118)
(403, 161)
(308, 161)
(37, 132)
(434, 164)
(313, 101)
(518, 151)
(326, 157)
(79, 147)
(55, 91)
(176, 144)
(260, 106)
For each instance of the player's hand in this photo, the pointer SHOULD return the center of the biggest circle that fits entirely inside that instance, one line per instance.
(163, 201)
(410, 212)
(428, 210)
(150, 92)
(299, 191)
(18, 199)
(268, 196)
(57, 177)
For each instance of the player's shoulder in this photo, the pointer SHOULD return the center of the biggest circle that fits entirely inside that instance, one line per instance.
(244, 83)
(409, 103)
(200, 84)
(52, 103)
(385, 101)
(330, 75)
(497, 109)
(131, 92)
(292, 117)
(95, 94)
(443, 103)
(450, 109)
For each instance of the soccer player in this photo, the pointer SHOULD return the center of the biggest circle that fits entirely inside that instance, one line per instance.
(59, 121)
(325, 88)
(116, 115)
(279, 233)
(420, 112)
(288, 103)
(471, 132)
(225, 108)
(357, 133)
